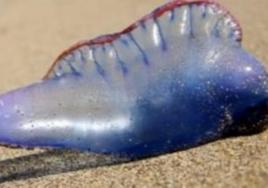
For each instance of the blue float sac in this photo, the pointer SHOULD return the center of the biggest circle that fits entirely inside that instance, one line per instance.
(176, 79)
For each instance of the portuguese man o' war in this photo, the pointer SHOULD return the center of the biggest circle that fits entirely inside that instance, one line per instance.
(175, 79)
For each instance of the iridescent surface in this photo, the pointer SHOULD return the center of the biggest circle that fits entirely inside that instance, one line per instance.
(173, 82)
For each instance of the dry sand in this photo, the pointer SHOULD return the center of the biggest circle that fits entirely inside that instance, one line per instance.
(33, 32)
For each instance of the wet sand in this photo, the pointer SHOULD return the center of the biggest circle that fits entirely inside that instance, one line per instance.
(34, 32)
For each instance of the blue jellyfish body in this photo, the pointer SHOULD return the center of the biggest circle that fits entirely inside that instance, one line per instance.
(176, 79)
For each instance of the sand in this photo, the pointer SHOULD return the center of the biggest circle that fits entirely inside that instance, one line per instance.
(34, 32)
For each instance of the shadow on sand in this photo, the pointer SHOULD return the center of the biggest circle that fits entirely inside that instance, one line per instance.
(52, 162)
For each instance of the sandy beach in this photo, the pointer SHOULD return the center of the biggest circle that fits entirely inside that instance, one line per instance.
(34, 32)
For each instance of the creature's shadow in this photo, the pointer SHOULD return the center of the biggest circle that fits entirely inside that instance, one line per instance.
(52, 162)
